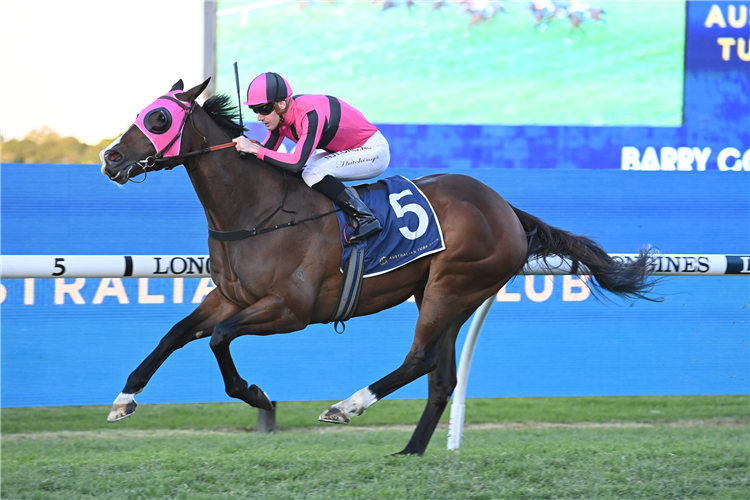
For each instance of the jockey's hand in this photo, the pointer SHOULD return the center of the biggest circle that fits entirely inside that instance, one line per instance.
(243, 144)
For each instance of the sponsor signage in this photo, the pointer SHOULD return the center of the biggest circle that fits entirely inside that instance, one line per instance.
(104, 266)
(684, 159)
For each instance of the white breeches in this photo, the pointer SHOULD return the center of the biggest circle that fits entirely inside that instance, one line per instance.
(365, 162)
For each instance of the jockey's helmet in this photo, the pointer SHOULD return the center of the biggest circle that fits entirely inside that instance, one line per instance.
(268, 87)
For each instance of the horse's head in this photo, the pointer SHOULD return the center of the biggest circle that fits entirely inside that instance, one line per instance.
(155, 137)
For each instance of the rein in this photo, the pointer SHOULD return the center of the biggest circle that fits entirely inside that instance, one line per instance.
(240, 234)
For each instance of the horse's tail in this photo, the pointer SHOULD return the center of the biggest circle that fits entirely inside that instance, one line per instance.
(629, 279)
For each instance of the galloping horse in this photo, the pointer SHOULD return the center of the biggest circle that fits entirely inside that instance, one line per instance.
(577, 17)
(483, 10)
(280, 281)
(544, 11)
(392, 4)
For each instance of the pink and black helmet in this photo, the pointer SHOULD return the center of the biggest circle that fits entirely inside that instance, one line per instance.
(268, 87)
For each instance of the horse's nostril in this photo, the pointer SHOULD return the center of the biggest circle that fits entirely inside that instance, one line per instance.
(114, 156)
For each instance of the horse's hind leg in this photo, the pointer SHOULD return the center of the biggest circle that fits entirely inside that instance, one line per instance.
(435, 322)
(442, 381)
(196, 325)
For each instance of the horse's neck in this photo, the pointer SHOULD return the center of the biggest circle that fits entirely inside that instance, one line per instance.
(236, 193)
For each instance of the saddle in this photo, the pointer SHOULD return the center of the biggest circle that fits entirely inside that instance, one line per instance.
(411, 230)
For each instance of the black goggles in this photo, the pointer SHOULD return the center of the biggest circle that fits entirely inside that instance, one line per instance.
(263, 109)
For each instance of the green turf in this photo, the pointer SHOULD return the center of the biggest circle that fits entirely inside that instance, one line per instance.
(708, 462)
(676, 447)
(293, 414)
(430, 68)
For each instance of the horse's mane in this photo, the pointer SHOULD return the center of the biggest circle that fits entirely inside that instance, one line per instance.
(224, 113)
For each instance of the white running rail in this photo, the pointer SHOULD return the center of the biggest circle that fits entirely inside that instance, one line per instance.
(198, 266)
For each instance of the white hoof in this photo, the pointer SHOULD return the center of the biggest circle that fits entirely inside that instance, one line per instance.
(334, 415)
(124, 406)
(341, 412)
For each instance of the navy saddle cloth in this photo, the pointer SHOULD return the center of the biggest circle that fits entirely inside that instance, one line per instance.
(411, 229)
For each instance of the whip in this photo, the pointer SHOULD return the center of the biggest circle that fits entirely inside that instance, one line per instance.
(239, 101)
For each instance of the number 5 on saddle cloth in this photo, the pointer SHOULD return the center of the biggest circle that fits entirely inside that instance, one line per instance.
(411, 230)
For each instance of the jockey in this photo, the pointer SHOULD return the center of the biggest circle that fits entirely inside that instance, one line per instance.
(352, 147)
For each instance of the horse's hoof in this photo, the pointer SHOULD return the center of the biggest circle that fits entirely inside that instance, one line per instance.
(121, 410)
(334, 415)
(262, 400)
(406, 453)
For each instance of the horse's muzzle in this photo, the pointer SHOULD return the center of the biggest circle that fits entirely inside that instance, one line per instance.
(114, 167)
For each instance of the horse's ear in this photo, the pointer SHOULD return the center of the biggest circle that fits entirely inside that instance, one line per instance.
(178, 86)
(192, 94)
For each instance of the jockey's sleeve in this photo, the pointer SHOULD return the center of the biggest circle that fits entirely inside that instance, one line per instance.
(273, 140)
(309, 136)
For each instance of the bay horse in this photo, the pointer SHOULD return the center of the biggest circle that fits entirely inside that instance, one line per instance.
(544, 12)
(577, 17)
(280, 281)
(483, 10)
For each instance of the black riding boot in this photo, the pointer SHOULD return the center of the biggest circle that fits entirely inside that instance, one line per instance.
(366, 222)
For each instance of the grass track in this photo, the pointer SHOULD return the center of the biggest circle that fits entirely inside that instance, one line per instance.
(694, 447)
(297, 414)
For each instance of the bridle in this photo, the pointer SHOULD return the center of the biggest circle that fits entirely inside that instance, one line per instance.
(151, 163)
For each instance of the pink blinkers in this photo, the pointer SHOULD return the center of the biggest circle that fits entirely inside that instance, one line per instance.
(162, 122)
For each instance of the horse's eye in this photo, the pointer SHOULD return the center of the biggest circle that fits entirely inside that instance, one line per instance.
(158, 120)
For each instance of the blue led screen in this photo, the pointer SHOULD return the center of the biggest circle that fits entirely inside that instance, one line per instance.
(683, 187)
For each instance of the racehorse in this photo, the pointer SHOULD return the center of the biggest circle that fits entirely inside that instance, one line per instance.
(287, 274)
(544, 11)
(483, 10)
(578, 17)
(392, 4)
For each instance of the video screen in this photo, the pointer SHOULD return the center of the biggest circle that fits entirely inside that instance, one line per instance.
(463, 62)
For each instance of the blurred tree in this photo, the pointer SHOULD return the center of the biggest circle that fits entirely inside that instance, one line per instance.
(46, 146)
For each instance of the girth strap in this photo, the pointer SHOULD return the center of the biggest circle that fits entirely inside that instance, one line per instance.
(351, 287)
(241, 234)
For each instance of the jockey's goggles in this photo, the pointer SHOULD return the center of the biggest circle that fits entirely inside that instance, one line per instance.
(263, 109)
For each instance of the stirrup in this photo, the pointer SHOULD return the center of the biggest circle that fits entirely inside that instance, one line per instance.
(367, 227)
(366, 223)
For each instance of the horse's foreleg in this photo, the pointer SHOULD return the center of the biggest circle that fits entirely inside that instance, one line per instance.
(442, 381)
(197, 325)
(268, 316)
